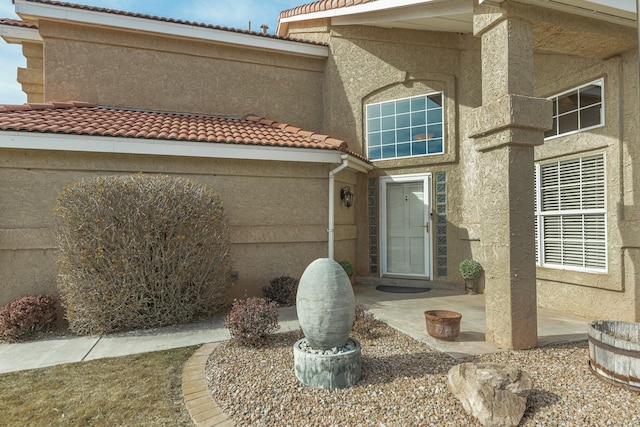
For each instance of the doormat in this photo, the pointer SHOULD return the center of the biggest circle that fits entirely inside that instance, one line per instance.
(401, 289)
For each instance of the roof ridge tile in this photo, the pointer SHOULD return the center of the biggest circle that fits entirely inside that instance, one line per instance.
(17, 23)
(324, 139)
(320, 6)
(292, 129)
(40, 106)
(319, 137)
(44, 106)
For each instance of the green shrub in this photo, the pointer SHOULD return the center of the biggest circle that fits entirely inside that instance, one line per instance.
(26, 315)
(470, 269)
(140, 251)
(348, 268)
(282, 290)
(252, 320)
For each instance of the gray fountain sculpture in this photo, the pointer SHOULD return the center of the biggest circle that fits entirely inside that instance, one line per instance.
(327, 357)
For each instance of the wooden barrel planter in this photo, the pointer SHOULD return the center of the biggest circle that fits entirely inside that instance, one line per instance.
(614, 352)
(443, 324)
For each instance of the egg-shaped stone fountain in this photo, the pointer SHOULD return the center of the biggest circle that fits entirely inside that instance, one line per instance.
(327, 357)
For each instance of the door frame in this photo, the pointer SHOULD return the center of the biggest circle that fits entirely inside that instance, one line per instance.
(425, 178)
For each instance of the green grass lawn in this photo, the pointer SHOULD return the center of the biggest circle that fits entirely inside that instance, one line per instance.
(138, 390)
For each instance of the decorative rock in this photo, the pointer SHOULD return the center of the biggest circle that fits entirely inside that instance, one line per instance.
(494, 394)
(325, 304)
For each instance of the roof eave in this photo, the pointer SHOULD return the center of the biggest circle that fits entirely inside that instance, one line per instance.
(371, 13)
(590, 9)
(374, 6)
(17, 35)
(33, 12)
(122, 145)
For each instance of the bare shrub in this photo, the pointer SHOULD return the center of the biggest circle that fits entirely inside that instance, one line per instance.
(252, 320)
(26, 315)
(140, 251)
(282, 290)
(365, 322)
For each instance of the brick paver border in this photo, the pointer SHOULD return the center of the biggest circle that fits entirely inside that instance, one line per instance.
(204, 411)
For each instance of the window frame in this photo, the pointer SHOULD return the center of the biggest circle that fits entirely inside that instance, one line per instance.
(556, 97)
(442, 124)
(541, 214)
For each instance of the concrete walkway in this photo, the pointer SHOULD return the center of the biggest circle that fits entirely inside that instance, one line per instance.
(70, 349)
(402, 311)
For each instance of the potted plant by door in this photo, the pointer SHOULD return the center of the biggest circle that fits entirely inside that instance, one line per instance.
(348, 268)
(470, 271)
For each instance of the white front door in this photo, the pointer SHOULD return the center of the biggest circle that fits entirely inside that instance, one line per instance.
(405, 225)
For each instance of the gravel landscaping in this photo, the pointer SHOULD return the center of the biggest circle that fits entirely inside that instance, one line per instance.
(404, 383)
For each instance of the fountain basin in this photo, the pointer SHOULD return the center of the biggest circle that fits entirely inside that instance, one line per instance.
(330, 369)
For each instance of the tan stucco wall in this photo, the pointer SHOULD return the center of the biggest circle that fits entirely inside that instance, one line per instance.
(372, 64)
(137, 70)
(313, 30)
(613, 294)
(366, 64)
(277, 212)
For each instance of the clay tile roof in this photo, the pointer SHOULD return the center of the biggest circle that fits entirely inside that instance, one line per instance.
(17, 23)
(82, 118)
(320, 6)
(163, 19)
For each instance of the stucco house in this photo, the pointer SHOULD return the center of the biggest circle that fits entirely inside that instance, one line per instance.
(500, 130)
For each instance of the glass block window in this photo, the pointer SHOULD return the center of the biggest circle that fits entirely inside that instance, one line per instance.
(372, 206)
(440, 226)
(571, 228)
(578, 109)
(406, 127)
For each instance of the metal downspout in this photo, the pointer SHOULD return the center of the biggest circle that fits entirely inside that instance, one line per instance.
(345, 163)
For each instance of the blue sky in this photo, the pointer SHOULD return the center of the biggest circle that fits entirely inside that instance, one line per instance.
(229, 13)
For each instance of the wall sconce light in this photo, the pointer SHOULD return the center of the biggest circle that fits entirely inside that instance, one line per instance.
(346, 196)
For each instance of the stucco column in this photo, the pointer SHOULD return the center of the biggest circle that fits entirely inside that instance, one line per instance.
(506, 127)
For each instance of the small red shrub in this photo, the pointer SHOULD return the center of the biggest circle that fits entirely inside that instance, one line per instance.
(26, 315)
(252, 320)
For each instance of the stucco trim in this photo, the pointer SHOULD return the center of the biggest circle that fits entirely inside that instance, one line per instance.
(54, 12)
(37, 141)
(26, 238)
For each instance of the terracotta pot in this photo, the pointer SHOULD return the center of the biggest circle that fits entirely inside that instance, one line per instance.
(443, 324)
(471, 285)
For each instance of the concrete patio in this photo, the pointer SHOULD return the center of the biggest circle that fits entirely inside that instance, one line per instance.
(405, 312)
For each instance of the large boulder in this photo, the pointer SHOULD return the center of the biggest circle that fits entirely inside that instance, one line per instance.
(494, 394)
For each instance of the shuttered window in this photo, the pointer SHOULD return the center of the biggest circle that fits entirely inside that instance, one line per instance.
(571, 229)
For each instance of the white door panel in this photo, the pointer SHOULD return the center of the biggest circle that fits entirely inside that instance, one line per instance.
(406, 243)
